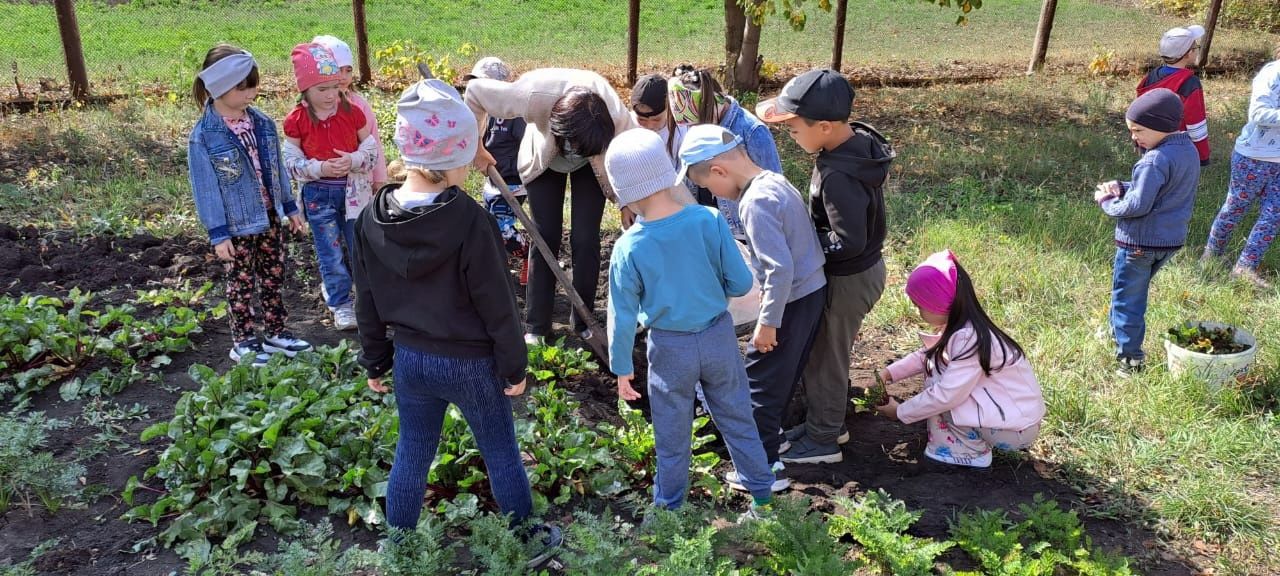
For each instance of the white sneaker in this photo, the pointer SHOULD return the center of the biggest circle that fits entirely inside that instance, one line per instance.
(983, 461)
(251, 347)
(780, 483)
(532, 340)
(344, 317)
(285, 343)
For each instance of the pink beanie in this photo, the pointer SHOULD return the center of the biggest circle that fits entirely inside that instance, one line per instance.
(932, 285)
(313, 64)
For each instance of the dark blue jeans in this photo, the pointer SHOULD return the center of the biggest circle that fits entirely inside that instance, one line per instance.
(425, 386)
(1130, 284)
(334, 236)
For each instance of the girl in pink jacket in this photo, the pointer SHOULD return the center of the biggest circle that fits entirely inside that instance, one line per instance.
(979, 390)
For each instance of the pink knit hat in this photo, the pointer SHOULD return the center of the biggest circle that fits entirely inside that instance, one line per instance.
(313, 64)
(932, 285)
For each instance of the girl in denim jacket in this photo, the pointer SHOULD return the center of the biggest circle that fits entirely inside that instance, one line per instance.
(243, 198)
(979, 391)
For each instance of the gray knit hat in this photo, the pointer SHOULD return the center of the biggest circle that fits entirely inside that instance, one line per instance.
(638, 165)
(1159, 110)
(434, 129)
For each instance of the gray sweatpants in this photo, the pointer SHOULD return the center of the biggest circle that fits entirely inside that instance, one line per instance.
(677, 362)
(826, 375)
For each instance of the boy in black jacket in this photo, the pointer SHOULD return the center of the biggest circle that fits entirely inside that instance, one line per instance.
(847, 205)
(425, 254)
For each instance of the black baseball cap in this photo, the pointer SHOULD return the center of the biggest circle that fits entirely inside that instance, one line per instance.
(819, 94)
(650, 90)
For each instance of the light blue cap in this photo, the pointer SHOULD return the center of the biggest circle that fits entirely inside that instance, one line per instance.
(704, 142)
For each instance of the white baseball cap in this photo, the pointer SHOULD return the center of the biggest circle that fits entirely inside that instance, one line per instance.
(1178, 41)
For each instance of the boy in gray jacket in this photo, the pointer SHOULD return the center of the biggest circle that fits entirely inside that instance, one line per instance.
(787, 261)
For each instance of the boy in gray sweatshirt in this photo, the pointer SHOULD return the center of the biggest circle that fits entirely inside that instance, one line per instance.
(787, 261)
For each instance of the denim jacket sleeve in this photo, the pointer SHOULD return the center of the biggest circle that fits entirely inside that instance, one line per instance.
(286, 186)
(206, 192)
(762, 150)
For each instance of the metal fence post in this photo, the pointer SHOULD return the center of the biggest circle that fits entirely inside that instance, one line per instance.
(70, 31)
(837, 51)
(362, 42)
(633, 40)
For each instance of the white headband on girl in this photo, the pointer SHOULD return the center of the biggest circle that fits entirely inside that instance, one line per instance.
(227, 73)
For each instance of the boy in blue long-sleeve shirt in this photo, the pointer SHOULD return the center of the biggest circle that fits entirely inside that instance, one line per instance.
(1152, 212)
(673, 272)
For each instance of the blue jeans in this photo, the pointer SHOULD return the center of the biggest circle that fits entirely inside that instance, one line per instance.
(1131, 282)
(325, 204)
(677, 362)
(425, 385)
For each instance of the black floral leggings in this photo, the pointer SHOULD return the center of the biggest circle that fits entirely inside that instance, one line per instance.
(257, 268)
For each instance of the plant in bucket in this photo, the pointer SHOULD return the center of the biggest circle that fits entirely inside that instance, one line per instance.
(1211, 351)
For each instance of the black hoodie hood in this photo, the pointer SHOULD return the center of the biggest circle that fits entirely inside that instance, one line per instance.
(866, 156)
(414, 242)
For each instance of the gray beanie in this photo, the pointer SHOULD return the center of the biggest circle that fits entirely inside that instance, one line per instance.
(434, 129)
(1159, 110)
(638, 165)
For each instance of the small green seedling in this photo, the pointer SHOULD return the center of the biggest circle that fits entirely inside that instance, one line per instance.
(877, 395)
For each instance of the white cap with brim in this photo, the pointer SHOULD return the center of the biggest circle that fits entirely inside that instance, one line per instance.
(1177, 41)
(701, 143)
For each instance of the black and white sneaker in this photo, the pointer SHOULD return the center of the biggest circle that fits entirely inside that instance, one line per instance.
(285, 343)
(798, 432)
(547, 539)
(251, 347)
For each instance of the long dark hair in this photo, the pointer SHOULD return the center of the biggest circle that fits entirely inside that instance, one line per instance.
(198, 90)
(581, 123)
(966, 309)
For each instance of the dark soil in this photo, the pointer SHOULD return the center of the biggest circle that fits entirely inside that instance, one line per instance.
(882, 454)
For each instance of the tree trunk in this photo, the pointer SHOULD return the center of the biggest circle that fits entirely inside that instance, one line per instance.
(1043, 29)
(1210, 25)
(749, 60)
(735, 22)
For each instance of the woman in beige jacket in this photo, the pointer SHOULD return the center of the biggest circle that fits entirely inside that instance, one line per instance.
(572, 116)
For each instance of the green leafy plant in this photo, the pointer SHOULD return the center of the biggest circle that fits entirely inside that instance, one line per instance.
(1047, 542)
(1206, 340)
(878, 523)
(28, 474)
(555, 362)
(600, 544)
(250, 445)
(799, 541)
(46, 339)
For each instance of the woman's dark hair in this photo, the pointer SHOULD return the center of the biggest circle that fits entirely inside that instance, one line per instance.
(705, 82)
(200, 93)
(581, 123)
(965, 309)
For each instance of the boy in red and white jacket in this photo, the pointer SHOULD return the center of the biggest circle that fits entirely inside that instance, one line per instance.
(1178, 48)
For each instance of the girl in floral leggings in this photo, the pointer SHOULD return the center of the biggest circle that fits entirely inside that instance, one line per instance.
(1255, 179)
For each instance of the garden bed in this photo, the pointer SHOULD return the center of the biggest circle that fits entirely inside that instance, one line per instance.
(95, 540)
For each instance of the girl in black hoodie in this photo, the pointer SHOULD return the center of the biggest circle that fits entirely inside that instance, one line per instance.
(426, 255)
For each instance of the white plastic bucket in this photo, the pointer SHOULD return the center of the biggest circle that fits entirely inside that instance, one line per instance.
(1213, 369)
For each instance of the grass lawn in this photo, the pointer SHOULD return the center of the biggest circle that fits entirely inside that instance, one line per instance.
(121, 43)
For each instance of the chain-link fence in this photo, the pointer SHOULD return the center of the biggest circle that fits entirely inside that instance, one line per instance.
(156, 46)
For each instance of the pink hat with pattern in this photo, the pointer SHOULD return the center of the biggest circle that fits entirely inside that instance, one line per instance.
(313, 64)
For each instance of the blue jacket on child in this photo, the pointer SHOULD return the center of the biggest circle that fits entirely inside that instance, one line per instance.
(227, 192)
(1155, 209)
